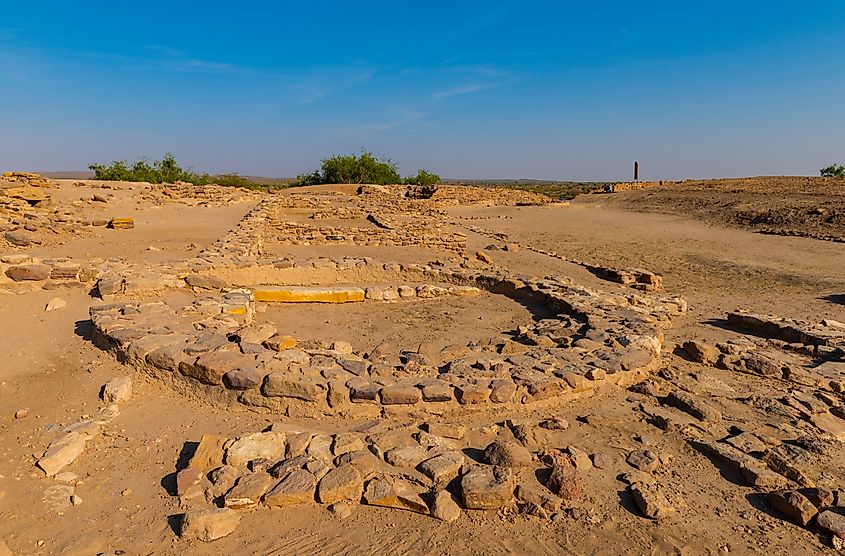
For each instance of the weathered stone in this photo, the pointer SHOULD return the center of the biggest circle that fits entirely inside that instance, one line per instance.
(363, 460)
(320, 447)
(392, 492)
(487, 488)
(346, 442)
(296, 488)
(696, 407)
(400, 395)
(248, 491)
(280, 342)
(297, 444)
(445, 430)
(341, 483)
(443, 468)
(444, 507)
(261, 445)
(28, 272)
(209, 525)
(644, 460)
(651, 501)
(440, 392)
(470, 394)
(579, 458)
(187, 478)
(533, 493)
(209, 453)
(255, 333)
(210, 367)
(206, 281)
(243, 378)
(794, 505)
(754, 471)
(505, 453)
(748, 443)
(55, 304)
(62, 452)
(286, 386)
(832, 522)
(117, 390)
(701, 352)
(406, 456)
(565, 481)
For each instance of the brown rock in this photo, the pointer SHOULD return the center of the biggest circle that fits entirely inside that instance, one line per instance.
(505, 453)
(400, 395)
(209, 453)
(443, 468)
(248, 491)
(701, 352)
(794, 505)
(28, 272)
(565, 481)
(208, 525)
(651, 501)
(391, 492)
(644, 460)
(341, 483)
(296, 488)
(487, 488)
(832, 522)
(444, 507)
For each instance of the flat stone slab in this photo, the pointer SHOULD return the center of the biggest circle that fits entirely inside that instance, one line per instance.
(305, 294)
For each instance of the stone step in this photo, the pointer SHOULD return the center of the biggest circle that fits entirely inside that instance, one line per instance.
(309, 294)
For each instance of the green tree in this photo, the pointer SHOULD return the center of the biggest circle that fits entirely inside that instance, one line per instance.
(423, 178)
(833, 171)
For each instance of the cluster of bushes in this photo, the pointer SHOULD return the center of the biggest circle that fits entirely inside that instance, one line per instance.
(166, 170)
(364, 168)
(833, 171)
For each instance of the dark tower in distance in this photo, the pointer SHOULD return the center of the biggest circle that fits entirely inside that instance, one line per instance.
(636, 171)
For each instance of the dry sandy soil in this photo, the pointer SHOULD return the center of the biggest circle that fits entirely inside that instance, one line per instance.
(125, 477)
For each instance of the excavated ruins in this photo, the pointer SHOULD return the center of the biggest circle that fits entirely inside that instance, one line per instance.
(434, 426)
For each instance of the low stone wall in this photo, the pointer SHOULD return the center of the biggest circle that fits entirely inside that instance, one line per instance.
(210, 344)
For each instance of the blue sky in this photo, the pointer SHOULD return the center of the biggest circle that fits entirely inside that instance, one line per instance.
(519, 89)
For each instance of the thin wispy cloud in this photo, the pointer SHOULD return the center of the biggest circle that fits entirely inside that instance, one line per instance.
(463, 90)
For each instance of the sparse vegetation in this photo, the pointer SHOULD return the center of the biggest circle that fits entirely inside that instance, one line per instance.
(364, 168)
(423, 178)
(167, 170)
(555, 190)
(833, 171)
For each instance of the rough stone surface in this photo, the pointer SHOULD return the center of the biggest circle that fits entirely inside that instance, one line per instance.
(505, 453)
(296, 488)
(118, 390)
(341, 483)
(209, 524)
(487, 488)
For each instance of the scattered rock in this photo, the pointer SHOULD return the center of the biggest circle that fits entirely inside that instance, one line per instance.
(644, 460)
(62, 452)
(651, 501)
(208, 524)
(504, 453)
(21, 414)
(832, 522)
(487, 488)
(794, 505)
(444, 507)
(565, 482)
(701, 352)
(117, 390)
(55, 304)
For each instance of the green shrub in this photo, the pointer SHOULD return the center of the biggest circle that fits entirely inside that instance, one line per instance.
(423, 178)
(167, 170)
(833, 171)
(364, 168)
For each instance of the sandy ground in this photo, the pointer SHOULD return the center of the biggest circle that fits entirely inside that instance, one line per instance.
(50, 368)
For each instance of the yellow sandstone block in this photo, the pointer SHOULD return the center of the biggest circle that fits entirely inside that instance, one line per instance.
(121, 223)
(303, 294)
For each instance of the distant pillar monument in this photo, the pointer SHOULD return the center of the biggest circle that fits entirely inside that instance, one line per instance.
(636, 171)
